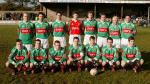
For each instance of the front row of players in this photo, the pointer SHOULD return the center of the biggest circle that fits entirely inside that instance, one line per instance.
(78, 57)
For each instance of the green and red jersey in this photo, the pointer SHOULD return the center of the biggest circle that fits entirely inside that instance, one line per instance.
(26, 32)
(128, 30)
(130, 53)
(103, 29)
(115, 31)
(59, 28)
(89, 27)
(42, 30)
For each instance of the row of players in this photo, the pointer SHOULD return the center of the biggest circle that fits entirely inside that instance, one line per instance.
(79, 56)
(119, 32)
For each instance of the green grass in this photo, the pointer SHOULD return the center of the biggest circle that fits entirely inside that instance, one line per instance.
(7, 41)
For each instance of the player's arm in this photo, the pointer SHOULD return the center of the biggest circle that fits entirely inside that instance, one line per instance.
(25, 56)
(124, 58)
(11, 56)
(32, 57)
(138, 54)
(97, 53)
(116, 56)
(103, 54)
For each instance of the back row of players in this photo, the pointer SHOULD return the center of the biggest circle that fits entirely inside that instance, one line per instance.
(111, 38)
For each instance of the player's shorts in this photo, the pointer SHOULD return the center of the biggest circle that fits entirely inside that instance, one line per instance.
(117, 43)
(71, 39)
(87, 39)
(28, 46)
(101, 41)
(44, 43)
(124, 42)
(61, 39)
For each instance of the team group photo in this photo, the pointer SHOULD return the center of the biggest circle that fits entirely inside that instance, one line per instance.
(86, 45)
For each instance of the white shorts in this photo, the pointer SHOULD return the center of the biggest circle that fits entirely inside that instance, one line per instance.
(101, 41)
(87, 39)
(124, 42)
(117, 43)
(71, 39)
(61, 39)
(28, 46)
(44, 43)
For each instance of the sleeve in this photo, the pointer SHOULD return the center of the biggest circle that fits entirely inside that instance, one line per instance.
(138, 53)
(25, 55)
(32, 30)
(48, 28)
(44, 55)
(18, 30)
(97, 53)
(103, 54)
(65, 27)
(134, 29)
(115, 55)
(32, 57)
(12, 55)
(81, 53)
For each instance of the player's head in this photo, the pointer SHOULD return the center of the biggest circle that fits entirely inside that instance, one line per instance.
(90, 14)
(18, 44)
(25, 16)
(109, 41)
(75, 40)
(40, 16)
(102, 16)
(114, 19)
(131, 41)
(92, 40)
(58, 15)
(37, 43)
(75, 15)
(127, 18)
(57, 45)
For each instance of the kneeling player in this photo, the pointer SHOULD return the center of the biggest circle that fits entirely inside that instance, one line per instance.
(75, 54)
(110, 55)
(18, 59)
(38, 57)
(132, 56)
(92, 54)
(57, 57)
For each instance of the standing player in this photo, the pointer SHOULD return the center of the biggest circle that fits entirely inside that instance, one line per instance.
(74, 28)
(26, 32)
(102, 31)
(75, 55)
(89, 27)
(131, 56)
(115, 31)
(57, 57)
(38, 57)
(42, 31)
(92, 54)
(110, 55)
(59, 30)
(128, 29)
(18, 59)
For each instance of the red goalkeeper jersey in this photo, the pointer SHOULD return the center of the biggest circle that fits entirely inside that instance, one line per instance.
(74, 27)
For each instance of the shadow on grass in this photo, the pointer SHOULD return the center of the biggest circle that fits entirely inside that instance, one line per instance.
(146, 57)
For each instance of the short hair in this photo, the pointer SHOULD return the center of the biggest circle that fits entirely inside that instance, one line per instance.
(18, 40)
(75, 38)
(109, 38)
(75, 12)
(40, 13)
(92, 37)
(90, 12)
(131, 38)
(127, 15)
(38, 40)
(102, 14)
(59, 12)
(57, 42)
(25, 13)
